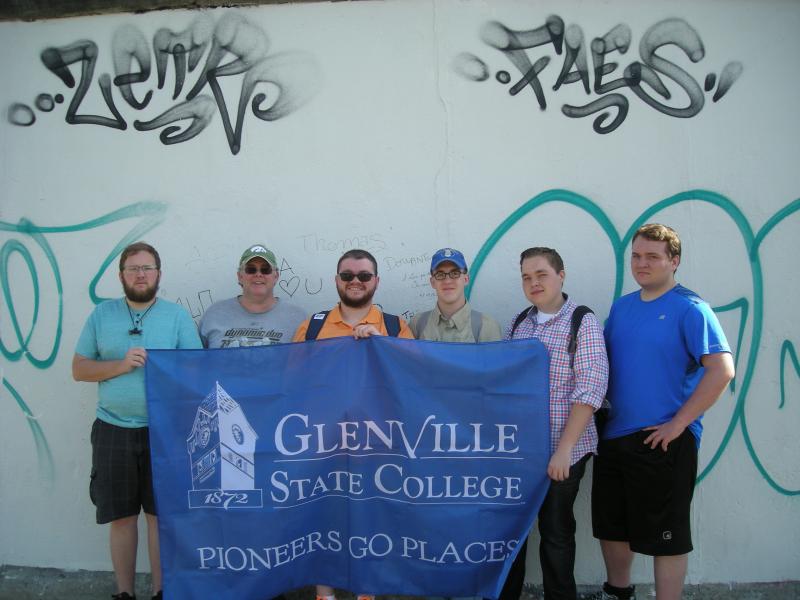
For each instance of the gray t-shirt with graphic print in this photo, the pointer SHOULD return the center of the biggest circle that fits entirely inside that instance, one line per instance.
(226, 324)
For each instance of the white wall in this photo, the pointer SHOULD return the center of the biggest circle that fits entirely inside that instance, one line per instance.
(386, 146)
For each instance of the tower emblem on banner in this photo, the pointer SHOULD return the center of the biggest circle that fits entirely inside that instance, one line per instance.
(221, 449)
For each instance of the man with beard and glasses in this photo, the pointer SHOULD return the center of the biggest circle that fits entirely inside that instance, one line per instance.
(111, 350)
(356, 282)
(355, 315)
(256, 317)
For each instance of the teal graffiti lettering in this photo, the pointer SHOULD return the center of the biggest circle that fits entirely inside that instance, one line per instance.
(787, 349)
(44, 456)
(752, 244)
(150, 214)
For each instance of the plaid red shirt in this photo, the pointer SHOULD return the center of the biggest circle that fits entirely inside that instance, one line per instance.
(585, 383)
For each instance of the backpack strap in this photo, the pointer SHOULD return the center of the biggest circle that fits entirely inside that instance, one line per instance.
(315, 323)
(317, 320)
(575, 325)
(392, 323)
(520, 318)
(477, 323)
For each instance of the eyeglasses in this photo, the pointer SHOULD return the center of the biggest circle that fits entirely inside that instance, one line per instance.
(439, 275)
(252, 270)
(146, 269)
(363, 276)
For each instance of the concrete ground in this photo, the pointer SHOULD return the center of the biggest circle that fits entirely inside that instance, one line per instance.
(28, 583)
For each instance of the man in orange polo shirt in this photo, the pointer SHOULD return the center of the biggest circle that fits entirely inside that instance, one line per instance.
(355, 315)
(356, 281)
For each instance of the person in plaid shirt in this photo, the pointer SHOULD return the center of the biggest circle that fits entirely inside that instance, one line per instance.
(577, 388)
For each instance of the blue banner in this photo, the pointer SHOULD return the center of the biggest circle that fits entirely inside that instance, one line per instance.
(381, 466)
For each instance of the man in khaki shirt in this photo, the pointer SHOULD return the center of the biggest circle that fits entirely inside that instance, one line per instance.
(452, 319)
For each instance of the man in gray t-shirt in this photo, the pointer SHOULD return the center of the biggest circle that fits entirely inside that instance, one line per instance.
(257, 317)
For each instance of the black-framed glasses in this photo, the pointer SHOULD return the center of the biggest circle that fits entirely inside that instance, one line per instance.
(439, 275)
(252, 269)
(134, 269)
(362, 276)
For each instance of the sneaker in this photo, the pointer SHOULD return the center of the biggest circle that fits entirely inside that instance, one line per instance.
(603, 595)
(123, 596)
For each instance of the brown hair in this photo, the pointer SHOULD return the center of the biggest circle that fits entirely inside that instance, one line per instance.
(553, 257)
(357, 254)
(656, 232)
(135, 249)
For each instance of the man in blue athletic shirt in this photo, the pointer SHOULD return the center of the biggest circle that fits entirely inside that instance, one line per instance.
(669, 362)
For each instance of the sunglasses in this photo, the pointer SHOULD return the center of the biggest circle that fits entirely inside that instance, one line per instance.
(363, 276)
(252, 270)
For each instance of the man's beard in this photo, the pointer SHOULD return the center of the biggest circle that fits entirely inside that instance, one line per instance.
(360, 303)
(143, 296)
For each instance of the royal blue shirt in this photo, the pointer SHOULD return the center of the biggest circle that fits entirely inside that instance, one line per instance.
(654, 350)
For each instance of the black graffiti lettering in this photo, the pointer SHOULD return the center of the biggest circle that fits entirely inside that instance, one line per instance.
(616, 40)
(271, 86)
(290, 77)
(530, 77)
(45, 102)
(471, 67)
(58, 60)
(104, 81)
(681, 34)
(514, 43)
(575, 56)
(199, 110)
(501, 37)
(730, 73)
(232, 35)
(711, 79)
(129, 44)
(645, 77)
(248, 45)
(617, 101)
(21, 114)
(187, 49)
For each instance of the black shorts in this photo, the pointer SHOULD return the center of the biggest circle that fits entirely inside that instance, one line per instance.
(121, 483)
(642, 496)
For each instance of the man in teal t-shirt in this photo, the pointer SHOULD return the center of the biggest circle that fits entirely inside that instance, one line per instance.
(111, 350)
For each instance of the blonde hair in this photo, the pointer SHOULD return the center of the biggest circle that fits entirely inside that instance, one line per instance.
(656, 232)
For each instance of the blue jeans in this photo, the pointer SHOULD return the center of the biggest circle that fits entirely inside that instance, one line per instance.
(557, 546)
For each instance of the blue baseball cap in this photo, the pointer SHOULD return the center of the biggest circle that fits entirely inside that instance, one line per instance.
(448, 255)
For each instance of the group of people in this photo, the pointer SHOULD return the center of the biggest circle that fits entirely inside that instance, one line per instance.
(661, 361)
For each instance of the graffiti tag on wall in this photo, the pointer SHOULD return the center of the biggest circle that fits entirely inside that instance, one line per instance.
(407, 270)
(570, 43)
(755, 310)
(273, 85)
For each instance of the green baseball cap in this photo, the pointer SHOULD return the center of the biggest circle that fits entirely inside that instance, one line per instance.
(258, 251)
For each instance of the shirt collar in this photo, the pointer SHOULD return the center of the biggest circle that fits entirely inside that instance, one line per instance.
(564, 307)
(373, 316)
(460, 318)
